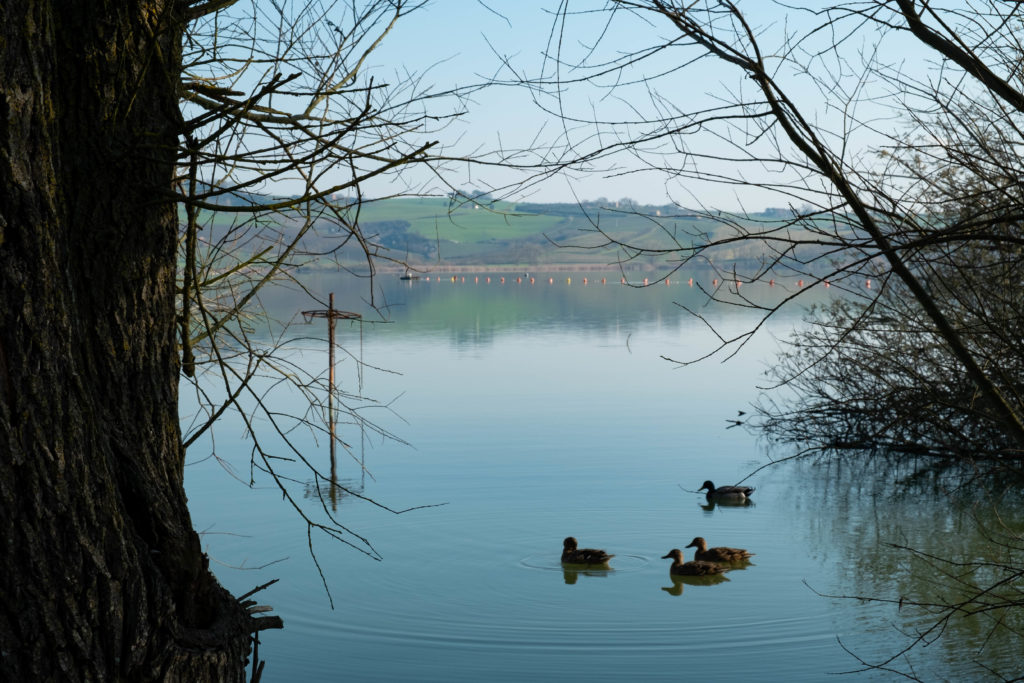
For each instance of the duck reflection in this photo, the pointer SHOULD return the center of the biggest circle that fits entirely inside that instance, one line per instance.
(677, 585)
(586, 561)
(571, 574)
(711, 504)
(679, 581)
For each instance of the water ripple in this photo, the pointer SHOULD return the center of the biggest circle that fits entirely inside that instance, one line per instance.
(620, 563)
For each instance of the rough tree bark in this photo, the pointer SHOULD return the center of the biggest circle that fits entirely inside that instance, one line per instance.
(104, 578)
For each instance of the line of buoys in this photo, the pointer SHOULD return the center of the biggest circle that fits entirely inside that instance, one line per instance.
(646, 281)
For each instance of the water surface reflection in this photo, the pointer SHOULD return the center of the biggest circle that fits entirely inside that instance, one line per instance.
(900, 550)
(534, 414)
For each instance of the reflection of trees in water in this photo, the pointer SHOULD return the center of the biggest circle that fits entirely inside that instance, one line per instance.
(940, 565)
(476, 312)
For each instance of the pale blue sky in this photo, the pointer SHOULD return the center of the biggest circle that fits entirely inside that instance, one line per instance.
(462, 42)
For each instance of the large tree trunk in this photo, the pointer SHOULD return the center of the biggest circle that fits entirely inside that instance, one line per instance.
(103, 576)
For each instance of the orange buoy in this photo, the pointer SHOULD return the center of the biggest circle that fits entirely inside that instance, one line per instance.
(584, 280)
(868, 284)
(714, 283)
(602, 281)
(771, 283)
(502, 280)
(691, 282)
(623, 280)
(645, 282)
(531, 280)
(800, 283)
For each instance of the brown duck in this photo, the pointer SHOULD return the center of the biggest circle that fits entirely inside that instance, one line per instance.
(573, 555)
(720, 554)
(727, 493)
(695, 568)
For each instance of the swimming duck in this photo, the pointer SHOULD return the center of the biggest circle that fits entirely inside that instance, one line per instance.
(726, 492)
(721, 554)
(573, 555)
(695, 568)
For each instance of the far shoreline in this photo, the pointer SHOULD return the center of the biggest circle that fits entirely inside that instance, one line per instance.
(425, 269)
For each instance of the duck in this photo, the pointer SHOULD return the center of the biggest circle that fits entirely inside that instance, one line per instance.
(694, 568)
(573, 555)
(720, 554)
(727, 492)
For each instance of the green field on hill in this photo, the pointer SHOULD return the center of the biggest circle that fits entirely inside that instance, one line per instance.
(467, 222)
(438, 232)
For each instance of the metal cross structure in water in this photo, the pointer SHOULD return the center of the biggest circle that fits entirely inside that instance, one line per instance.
(331, 314)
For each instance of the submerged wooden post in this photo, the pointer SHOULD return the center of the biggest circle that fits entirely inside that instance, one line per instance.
(330, 379)
(331, 314)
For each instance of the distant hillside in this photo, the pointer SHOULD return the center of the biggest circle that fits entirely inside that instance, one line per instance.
(457, 231)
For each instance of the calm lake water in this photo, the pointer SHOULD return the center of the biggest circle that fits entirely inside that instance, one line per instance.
(530, 413)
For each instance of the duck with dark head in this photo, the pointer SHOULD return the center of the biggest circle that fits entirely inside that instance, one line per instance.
(727, 493)
(571, 554)
(693, 568)
(718, 554)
